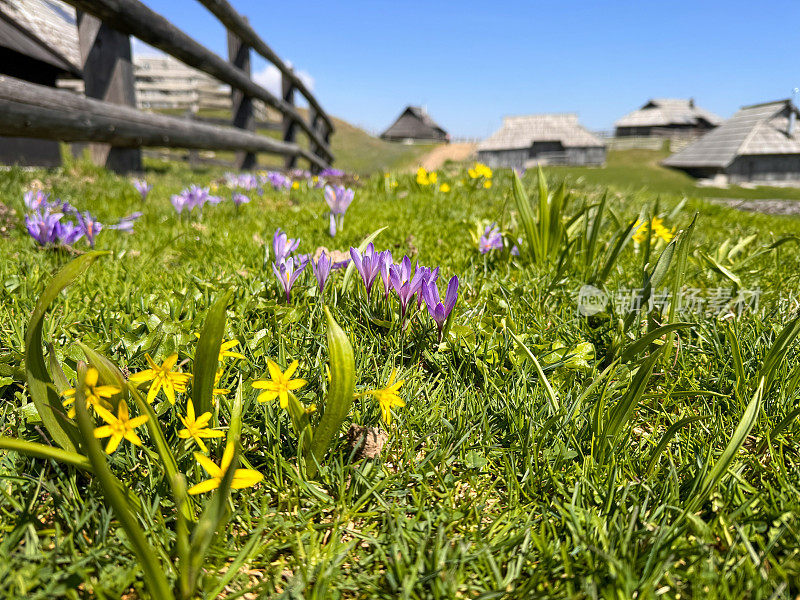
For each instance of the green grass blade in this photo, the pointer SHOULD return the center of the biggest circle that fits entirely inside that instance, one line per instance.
(59, 379)
(623, 410)
(526, 217)
(667, 437)
(779, 428)
(594, 232)
(778, 351)
(48, 452)
(681, 262)
(206, 358)
(544, 216)
(340, 394)
(612, 254)
(40, 385)
(552, 399)
(736, 357)
(644, 342)
(719, 469)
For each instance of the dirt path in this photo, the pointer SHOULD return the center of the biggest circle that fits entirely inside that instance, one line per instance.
(455, 152)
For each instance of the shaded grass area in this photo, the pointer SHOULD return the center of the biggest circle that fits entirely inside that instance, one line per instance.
(481, 492)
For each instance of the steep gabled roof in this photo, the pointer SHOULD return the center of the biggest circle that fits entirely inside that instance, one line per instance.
(662, 112)
(51, 25)
(414, 122)
(522, 131)
(756, 129)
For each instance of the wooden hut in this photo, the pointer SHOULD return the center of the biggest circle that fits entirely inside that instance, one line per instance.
(415, 125)
(550, 139)
(760, 143)
(38, 43)
(667, 118)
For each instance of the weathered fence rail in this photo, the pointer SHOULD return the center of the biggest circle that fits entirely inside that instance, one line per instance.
(31, 110)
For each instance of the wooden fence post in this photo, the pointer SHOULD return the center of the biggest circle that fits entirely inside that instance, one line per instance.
(313, 147)
(241, 105)
(108, 75)
(289, 125)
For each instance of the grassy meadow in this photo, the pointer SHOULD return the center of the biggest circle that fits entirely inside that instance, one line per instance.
(541, 451)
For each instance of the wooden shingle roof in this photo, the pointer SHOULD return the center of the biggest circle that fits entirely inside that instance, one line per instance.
(757, 129)
(48, 24)
(662, 112)
(414, 123)
(522, 131)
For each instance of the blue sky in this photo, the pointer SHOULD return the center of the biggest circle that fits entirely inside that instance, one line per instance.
(471, 63)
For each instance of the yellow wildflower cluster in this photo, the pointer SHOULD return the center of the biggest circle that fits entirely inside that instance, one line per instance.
(280, 385)
(481, 171)
(426, 177)
(658, 229)
(121, 426)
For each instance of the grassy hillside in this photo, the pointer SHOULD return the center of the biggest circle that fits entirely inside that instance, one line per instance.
(354, 150)
(636, 169)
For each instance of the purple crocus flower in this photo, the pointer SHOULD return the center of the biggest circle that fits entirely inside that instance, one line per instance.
(322, 269)
(368, 265)
(331, 173)
(126, 223)
(283, 245)
(287, 274)
(440, 312)
(404, 285)
(142, 187)
(386, 262)
(426, 276)
(66, 208)
(338, 198)
(332, 225)
(239, 199)
(44, 226)
(35, 199)
(245, 181)
(90, 226)
(279, 181)
(69, 232)
(179, 202)
(491, 239)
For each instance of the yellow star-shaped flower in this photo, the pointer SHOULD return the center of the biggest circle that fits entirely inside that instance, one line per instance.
(162, 377)
(242, 478)
(119, 427)
(196, 428)
(387, 397)
(95, 394)
(225, 349)
(279, 385)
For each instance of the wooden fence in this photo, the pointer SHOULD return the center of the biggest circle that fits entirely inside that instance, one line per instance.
(107, 113)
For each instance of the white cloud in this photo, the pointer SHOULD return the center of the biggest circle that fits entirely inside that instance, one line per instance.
(140, 49)
(270, 78)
